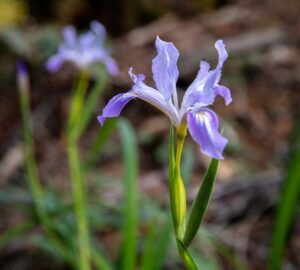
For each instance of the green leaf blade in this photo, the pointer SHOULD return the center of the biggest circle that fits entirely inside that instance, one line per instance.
(287, 207)
(130, 158)
(201, 203)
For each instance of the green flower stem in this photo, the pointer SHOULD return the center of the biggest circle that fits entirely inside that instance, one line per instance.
(30, 163)
(178, 195)
(77, 104)
(179, 190)
(186, 256)
(32, 170)
(91, 102)
(78, 187)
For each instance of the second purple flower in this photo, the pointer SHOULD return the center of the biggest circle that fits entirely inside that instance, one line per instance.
(83, 50)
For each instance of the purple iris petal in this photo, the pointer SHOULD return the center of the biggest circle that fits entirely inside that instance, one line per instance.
(164, 67)
(203, 127)
(142, 91)
(204, 89)
(214, 76)
(223, 55)
(224, 92)
(111, 65)
(69, 34)
(98, 29)
(55, 63)
(87, 40)
(114, 106)
(152, 96)
(194, 93)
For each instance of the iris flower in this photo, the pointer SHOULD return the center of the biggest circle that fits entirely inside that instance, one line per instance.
(202, 122)
(83, 50)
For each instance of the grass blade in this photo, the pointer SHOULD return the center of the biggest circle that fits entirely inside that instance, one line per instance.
(99, 260)
(130, 159)
(31, 165)
(18, 230)
(163, 242)
(148, 257)
(287, 206)
(100, 140)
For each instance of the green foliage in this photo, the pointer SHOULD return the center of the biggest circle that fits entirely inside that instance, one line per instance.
(186, 256)
(201, 203)
(130, 158)
(91, 100)
(100, 140)
(287, 207)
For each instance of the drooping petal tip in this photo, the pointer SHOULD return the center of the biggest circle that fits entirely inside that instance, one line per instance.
(224, 92)
(114, 107)
(203, 127)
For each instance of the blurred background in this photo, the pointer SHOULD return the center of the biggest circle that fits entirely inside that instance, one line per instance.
(262, 71)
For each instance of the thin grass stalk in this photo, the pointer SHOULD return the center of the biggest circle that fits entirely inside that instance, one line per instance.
(130, 227)
(78, 187)
(31, 166)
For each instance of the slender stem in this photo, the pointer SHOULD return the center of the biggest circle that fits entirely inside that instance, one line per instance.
(91, 102)
(179, 197)
(15, 231)
(181, 134)
(178, 186)
(32, 170)
(78, 187)
(77, 104)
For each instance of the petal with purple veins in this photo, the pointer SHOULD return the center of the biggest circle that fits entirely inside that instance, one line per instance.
(203, 127)
(142, 91)
(164, 67)
(114, 107)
